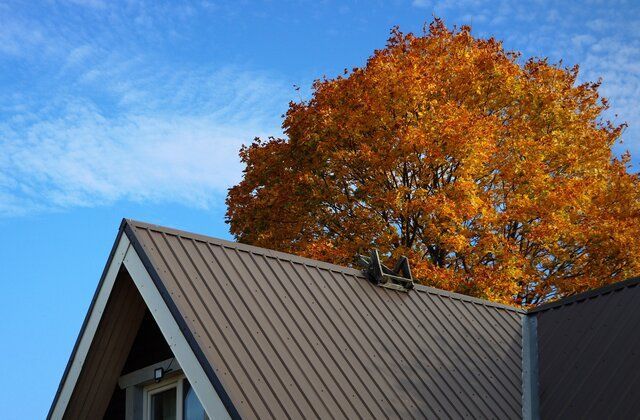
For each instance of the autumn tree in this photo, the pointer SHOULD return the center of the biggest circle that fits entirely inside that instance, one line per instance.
(494, 175)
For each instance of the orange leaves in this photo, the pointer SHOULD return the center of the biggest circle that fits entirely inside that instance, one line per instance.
(495, 178)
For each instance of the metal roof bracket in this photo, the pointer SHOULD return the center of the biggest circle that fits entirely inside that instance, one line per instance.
(398, 278)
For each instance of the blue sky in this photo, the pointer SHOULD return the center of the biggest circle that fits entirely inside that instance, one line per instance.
(137, 109)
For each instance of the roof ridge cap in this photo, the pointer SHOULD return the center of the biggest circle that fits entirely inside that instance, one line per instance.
(246, 247)
(310, 262)
(588, 294)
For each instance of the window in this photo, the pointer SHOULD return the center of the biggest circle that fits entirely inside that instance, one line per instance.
(163, 405)
(192, 408)
(172, 399)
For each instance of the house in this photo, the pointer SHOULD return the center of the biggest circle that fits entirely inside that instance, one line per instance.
(184, 326)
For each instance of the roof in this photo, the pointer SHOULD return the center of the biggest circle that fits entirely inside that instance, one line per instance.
(589, 294)
(265, 334)
(286, 336)
(588, 354)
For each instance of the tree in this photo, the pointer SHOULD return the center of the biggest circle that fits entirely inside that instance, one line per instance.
(495, 176)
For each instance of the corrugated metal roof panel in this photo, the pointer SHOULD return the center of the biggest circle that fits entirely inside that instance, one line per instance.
(588, 355)
(290, 337)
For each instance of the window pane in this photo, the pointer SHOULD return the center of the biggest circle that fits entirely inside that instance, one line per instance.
(193, 410)
(163, 405)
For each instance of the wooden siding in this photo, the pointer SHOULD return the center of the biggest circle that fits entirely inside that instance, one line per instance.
(108, 352)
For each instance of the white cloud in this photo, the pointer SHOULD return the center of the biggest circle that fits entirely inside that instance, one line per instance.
(96, 119)
(78, 55)
(15, 37)
(180, 145)
(100, 120)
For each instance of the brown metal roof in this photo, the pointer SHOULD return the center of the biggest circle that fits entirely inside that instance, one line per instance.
(288, 337)
(283, 336)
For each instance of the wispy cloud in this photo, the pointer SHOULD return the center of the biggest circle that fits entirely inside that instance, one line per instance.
(95, 107)
(71, 153)
(109, 123)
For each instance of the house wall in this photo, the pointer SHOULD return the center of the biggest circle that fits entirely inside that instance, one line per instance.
(588, 357)
(108, 352)
(149, 348)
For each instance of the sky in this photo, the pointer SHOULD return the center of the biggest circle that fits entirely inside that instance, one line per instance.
(112, 109)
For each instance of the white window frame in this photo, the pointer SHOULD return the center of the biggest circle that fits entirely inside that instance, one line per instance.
(149, 391)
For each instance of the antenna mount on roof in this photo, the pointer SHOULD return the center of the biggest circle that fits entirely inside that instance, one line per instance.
(398, 279)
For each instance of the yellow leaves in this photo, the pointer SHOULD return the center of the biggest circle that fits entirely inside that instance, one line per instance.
(495, 178)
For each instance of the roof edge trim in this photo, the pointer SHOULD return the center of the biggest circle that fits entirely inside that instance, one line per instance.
(91, 319)
(589, 294)
(309, 262)
(246, 247)
(466, 298)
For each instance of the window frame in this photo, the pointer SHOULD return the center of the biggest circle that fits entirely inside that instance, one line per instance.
(150, 390)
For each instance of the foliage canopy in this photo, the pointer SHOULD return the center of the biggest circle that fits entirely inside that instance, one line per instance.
(495, 177)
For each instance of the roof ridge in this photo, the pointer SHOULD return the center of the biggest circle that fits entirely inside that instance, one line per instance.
(246, 247)
(311, 262)
(467, 298)
(589, 294)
